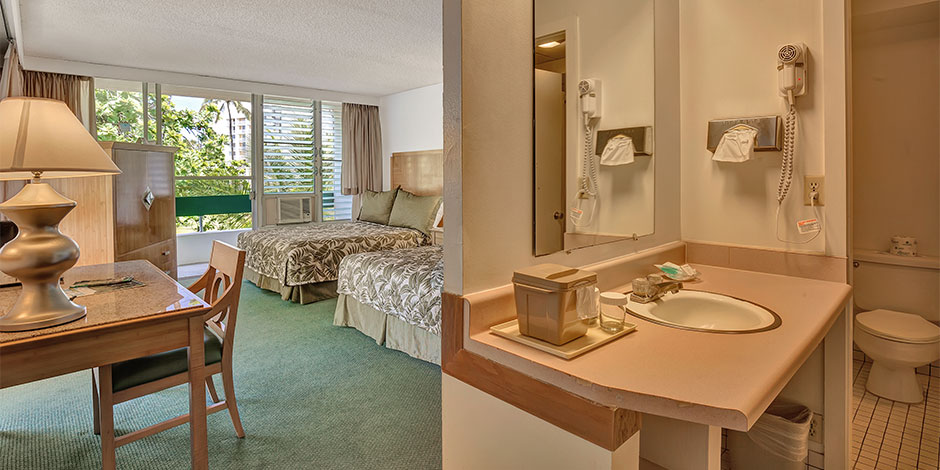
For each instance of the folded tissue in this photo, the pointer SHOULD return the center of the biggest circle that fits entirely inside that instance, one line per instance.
(736, 145)
(678, 273)
(618, 151)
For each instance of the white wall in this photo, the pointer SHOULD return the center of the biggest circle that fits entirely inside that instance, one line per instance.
(194, 248)
(481, 431)
(614, 43)
(411, 120)
(488, 101)
(728, 69)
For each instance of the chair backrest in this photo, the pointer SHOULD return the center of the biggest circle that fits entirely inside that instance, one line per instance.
(222, 284)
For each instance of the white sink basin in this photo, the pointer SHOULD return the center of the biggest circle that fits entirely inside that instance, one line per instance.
(706, 311)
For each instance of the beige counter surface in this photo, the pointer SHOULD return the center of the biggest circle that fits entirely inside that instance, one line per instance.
(717, 379)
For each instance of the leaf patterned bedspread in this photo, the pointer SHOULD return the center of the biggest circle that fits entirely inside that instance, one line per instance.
(308, 253)
(406, 283)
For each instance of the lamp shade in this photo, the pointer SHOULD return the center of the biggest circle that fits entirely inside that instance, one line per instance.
(42, 135)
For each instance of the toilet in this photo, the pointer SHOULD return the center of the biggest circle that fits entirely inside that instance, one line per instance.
(897, 325)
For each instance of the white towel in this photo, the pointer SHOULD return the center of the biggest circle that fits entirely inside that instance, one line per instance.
(618, 151)
(736, 145)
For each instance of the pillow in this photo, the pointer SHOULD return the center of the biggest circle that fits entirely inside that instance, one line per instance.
(377, 206)
(415, 212)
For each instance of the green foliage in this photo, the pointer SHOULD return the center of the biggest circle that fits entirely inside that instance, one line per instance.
(201, 149)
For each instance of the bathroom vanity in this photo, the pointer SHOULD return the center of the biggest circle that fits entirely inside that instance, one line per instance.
(684, 383)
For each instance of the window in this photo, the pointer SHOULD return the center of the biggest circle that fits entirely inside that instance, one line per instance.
(334, 204)
(289, 148)
(213, 166)
(212, 130)
(303, 152)
(119, 110)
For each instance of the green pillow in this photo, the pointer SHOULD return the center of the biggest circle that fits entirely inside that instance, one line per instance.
(376, 207)
(415, 212)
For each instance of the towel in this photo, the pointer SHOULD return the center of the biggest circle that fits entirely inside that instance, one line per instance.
(736, 145)
(618, 151)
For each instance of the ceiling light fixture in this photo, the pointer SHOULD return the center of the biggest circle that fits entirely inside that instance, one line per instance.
(551, 44)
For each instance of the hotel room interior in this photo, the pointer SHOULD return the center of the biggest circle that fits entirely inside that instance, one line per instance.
(470, 234)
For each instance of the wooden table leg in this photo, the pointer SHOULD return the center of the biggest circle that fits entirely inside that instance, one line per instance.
(106, 417)
(197, 395)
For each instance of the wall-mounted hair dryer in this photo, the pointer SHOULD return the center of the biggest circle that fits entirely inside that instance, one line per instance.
(791, 70)
(589, 89)
(791, 82)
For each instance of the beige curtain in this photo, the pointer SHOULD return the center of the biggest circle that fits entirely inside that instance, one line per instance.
(362, 149)
(77, 92)
(11, 77)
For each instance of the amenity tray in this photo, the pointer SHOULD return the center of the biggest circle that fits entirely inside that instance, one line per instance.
(594, 338)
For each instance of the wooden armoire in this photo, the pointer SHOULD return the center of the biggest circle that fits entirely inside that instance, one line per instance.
(112, 221)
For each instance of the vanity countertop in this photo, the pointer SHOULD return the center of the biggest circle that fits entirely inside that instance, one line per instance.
(725, 380)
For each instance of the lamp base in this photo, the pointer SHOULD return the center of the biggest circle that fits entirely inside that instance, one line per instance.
(36, 311)
(37, 257)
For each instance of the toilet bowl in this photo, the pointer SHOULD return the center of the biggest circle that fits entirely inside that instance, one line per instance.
(897, 343)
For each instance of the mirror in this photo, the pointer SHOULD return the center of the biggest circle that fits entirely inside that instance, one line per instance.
(594, 183)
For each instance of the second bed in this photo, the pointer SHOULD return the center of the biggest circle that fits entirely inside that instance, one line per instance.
(394, 297)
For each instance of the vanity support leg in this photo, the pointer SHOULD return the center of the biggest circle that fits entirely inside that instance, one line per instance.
(680, 445)
(837, 349)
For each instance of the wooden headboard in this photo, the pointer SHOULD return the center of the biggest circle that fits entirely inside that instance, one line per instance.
(420, 172)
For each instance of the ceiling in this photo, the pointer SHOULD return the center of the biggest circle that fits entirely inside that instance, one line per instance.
(372, 48)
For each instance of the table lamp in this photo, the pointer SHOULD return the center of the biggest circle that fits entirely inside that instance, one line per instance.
(42, 139)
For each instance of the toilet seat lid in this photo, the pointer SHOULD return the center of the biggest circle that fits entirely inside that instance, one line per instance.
(898, 326)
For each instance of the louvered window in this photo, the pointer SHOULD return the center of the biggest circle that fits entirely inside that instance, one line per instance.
(289, 145)
(303, 149)
(335, 205)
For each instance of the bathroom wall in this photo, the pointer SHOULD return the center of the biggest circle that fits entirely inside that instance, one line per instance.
(728, 69)
(411, 120)
(488, 144)
(614, 44)
(896, 72)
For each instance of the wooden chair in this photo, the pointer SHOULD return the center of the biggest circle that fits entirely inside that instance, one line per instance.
(142, 376)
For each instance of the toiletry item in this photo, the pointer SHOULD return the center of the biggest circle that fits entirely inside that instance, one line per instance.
(903, 246)
(546, 301)
(613, 311)
(678, 273)
(641, 286)
(736, 145)
(618, 151)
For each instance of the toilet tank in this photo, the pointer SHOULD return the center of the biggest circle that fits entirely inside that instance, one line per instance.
(892, 282)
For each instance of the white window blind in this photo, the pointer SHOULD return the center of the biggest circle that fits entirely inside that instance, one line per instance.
(289, 145)
(335, 205)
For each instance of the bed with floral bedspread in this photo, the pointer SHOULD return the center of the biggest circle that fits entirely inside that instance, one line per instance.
(298, 255)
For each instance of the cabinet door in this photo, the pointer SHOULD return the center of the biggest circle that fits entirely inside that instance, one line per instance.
(161, 255)
(136, 226)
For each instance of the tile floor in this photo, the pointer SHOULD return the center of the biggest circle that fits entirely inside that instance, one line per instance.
(891, 435)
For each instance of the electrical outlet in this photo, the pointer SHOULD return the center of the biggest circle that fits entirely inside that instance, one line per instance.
(814, 183)
(816, 429)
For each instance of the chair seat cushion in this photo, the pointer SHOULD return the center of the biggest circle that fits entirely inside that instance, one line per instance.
(134, 372)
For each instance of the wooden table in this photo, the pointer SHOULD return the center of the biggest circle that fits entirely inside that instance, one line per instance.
(120, 325)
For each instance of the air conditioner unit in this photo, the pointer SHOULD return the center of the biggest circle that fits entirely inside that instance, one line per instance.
(294, 210)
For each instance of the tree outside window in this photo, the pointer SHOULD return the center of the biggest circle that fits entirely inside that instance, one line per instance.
(203, 151)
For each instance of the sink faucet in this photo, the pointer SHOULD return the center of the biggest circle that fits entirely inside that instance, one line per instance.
(652, 288)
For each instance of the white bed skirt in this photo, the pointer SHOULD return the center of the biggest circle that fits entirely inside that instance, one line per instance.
(387, 329)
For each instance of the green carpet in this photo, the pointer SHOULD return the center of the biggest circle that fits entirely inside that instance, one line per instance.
(311, 395)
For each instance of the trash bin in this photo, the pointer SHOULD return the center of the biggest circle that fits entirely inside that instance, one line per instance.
(777, 441)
